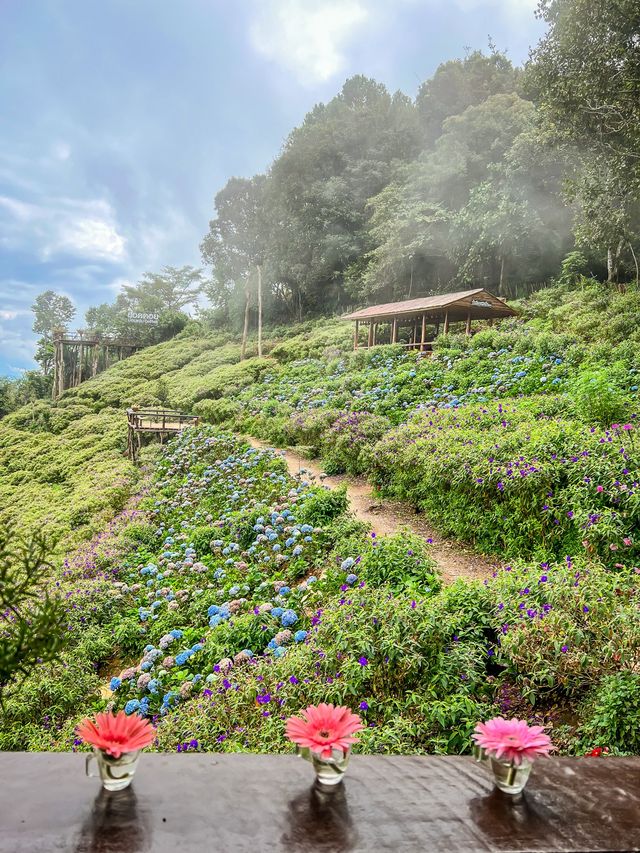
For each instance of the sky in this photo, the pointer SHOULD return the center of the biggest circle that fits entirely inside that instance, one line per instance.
(121, 119)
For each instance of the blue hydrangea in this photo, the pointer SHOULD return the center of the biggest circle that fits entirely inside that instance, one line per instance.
(277, 611)
(297, 551)
(288, 618)
(115, 683)
(153, 685)
(300, 636)
(146, 666)
(351, 579)
(148, 648)
(280, 652)
(346, 564)
(285, 590)
(183, 657)
(176, 634)
(132, 706)
(213, 610)
(215, 620)
(312, 579)
(197, 648)
(247, 652)
(272, 644)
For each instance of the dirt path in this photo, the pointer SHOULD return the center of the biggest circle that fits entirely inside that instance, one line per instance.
(454, 559)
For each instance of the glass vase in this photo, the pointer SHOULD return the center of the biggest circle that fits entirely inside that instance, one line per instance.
(329, 771)
(509, 777)
(116, 773)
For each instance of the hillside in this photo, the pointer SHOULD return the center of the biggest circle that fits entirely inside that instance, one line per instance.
(212, 590)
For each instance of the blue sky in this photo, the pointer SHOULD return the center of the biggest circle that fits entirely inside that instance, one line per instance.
(121, 119)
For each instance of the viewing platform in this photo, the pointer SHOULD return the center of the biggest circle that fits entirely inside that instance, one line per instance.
(162, 422)
(258, 803)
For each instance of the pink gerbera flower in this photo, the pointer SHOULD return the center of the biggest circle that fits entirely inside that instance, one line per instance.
(117, 733)
(323, 728)
(512, 740)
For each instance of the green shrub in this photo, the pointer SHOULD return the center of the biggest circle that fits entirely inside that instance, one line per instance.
(403, 561)
(613, 714)
(599, 398)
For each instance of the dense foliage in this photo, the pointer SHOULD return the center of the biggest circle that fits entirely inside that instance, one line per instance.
(228, 594)
(491, 177)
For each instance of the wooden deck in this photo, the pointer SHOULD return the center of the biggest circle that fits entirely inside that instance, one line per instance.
(161, 422)
(256, 803)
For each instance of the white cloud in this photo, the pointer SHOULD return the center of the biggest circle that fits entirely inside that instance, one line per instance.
(91, 238)
(54, 226)
(306, 37)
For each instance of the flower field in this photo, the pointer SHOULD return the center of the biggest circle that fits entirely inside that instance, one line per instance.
(216, 595)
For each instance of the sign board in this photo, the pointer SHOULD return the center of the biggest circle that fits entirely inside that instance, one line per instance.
(142, 318)
(481, 303)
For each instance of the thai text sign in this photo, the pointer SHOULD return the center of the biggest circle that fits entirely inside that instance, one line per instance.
(143, 318)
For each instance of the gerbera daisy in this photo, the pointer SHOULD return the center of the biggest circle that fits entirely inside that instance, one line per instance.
(116, 734)
(323, 728)
(512, 740)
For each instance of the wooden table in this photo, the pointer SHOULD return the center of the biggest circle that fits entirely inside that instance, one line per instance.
(265, 804)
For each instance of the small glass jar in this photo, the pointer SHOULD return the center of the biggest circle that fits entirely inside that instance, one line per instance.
(329, 771)
(116, 773)
(509, 777)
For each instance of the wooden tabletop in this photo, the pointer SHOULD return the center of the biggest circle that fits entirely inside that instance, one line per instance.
(265, 804)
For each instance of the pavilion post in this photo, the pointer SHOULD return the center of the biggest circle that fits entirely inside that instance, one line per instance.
(424, 331)
(375, 329)
(355, 335)
(467, 331)
(94, 359)
(370, 337)
(394, 331)
(446, 322)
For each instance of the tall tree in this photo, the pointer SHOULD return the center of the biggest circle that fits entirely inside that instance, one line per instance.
(51, 311)
(236, 244)
(462, 83)
(169, 290)
(585, 75)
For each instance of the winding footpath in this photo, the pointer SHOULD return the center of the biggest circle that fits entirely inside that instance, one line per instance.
(453, 558)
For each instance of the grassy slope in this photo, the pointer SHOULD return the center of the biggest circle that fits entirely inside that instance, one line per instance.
(64, 468)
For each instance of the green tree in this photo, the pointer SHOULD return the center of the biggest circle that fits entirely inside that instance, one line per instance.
(31, 617)
(51, 311)
(172, 289)
(585, 76)
(462, 83)
(236, 245)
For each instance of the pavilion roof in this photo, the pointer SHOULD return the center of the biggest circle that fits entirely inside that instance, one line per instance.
(480, 302)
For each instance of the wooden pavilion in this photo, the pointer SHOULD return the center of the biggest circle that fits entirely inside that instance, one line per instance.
(416, 322)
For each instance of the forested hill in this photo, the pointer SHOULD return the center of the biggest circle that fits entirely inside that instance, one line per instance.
(490, 177)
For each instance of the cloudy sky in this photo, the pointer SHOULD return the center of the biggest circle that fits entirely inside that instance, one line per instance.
(122, 118)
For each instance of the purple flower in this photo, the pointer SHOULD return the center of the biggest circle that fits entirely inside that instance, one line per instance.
(564, 649)
(363, 661)
(364, 706)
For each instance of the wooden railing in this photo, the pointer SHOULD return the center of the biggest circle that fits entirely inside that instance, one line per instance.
(151, 420)
(160, 420)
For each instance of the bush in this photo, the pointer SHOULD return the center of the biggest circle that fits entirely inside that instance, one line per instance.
(348, 442)
(402, 561)
(613, 714)
(598, 397)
